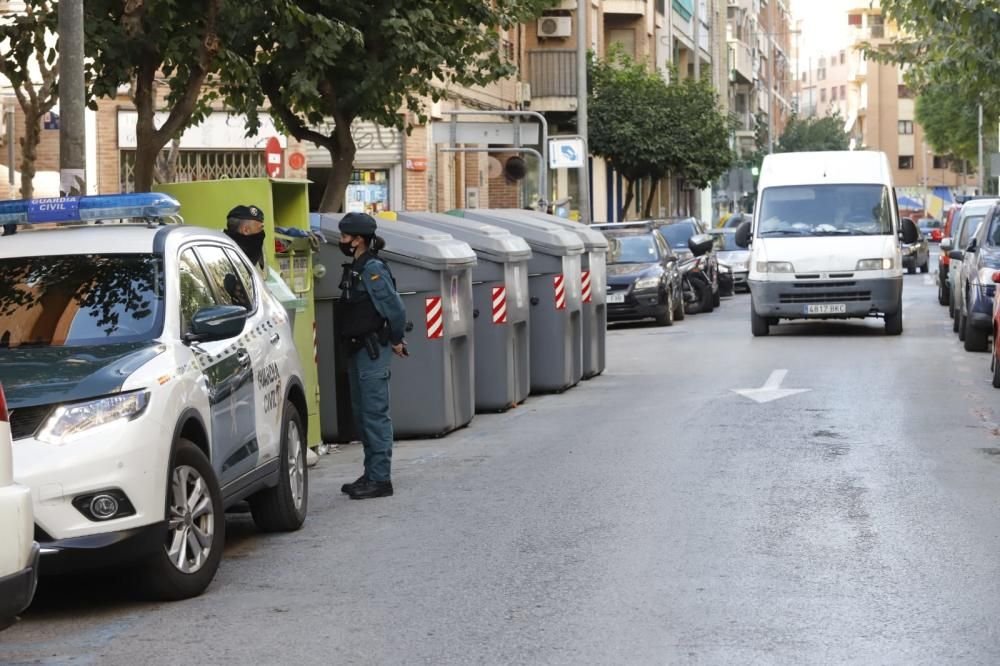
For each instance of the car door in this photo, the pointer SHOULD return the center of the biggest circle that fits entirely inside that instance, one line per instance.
(226, 365)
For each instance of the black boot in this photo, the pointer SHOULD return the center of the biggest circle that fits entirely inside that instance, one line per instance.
(348, 487)
(371, 489)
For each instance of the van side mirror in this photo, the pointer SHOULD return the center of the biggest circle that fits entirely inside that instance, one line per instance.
(743, 235)
(908, 232)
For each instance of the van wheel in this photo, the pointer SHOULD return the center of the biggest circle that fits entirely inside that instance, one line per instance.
(283, 507)
(759, 326)
(196, 529)
(894, 322)
(975, 340)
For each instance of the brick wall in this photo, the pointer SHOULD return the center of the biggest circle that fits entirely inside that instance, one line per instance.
(417, 191)
(502, 193)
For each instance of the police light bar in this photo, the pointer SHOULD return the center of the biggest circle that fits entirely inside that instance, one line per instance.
(86, 209)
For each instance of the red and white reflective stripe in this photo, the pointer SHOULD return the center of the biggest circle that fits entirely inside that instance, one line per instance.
(587, 294)
(499, 305)
(560, 283)
(435, 318)
(315, 345)
(3, 406)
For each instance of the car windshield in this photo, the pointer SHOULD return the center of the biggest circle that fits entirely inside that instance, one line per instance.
(969, 227)
(79, 300)
(677, 235)
(639, 249)
(825, 210)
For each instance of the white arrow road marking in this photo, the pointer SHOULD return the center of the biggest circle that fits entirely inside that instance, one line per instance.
(771, 390)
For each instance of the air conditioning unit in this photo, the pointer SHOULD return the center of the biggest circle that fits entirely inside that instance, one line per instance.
(523, 93)
(555, 26)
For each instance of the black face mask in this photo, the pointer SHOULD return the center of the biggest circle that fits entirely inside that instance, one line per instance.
(347, 249)
(252, 245)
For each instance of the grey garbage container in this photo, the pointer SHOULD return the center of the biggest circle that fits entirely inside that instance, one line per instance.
(432, 391)
(555, 297)
(594, 278)
(500, 298)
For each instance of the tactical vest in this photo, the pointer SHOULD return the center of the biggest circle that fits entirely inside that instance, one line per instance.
(360, 317)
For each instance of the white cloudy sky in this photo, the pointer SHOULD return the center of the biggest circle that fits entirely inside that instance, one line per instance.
(824, 24)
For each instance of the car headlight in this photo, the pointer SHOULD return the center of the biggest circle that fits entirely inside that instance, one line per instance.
(775, 267)
(884, 264)
(73, 419)
(646, 283)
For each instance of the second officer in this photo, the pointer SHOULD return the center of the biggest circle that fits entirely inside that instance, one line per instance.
(374, 321)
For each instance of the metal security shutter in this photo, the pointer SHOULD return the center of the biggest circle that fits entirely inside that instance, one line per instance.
(377, 146)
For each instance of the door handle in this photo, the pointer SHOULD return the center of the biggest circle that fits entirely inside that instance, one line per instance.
(243, 358)
(274, 338)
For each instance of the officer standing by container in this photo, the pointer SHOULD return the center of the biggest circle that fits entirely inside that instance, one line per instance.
(245, 225)
(374, 321)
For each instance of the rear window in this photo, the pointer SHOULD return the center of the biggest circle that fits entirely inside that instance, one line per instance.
(825, 210)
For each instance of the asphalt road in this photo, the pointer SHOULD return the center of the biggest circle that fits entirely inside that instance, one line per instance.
(648, 516)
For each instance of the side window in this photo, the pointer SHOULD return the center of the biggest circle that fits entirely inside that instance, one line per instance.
(246, 276)
(195, 292)
(229, 286)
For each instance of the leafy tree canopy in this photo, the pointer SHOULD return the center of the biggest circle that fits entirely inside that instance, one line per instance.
(951, 124)
(344, 60)
(813, 134)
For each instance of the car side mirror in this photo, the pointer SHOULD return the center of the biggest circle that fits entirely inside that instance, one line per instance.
(743, 235)
(957, 255)
(216, 322)
(908, 231)
(700, 244)
(946, 245)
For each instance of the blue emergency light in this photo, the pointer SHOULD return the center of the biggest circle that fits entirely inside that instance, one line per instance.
(149, 205)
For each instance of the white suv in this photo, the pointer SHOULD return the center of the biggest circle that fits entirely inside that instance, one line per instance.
(18, 550)
(152, 382)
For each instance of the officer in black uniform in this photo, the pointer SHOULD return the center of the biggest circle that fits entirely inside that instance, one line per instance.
(374, 322)
(245, 225)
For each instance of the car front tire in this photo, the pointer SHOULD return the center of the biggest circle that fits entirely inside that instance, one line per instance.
(283, 507)
(186, 564)
(975, 339)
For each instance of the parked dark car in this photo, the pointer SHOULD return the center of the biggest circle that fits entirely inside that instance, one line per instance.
(930, 228)
(980, 260)
(643, 280)
(917, 254)
(677, 232)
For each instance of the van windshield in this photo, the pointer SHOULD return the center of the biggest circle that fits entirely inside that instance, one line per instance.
(825, 210)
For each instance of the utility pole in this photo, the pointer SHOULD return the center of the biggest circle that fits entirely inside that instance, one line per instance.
(697, 40)
(982, 167)
(72, 100)
(582, 10)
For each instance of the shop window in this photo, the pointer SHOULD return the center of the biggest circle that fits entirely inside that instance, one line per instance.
(368, 191)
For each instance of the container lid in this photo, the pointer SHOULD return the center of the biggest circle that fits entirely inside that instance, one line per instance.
(542, 236)
(592, 238)
(489, 241)
(408, 244)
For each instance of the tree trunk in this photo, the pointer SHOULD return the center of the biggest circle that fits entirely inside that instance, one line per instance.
(29, 153)
(629, 195)
(647, 212)
(342, 152)
(145, 166)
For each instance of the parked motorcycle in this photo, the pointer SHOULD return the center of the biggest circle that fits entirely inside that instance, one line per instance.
(695, 280)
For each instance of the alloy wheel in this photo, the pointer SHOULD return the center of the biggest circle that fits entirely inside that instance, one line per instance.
(191, 520)
(296, 464)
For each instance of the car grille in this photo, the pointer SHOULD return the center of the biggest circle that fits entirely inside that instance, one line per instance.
(25, 421)
(820, 293)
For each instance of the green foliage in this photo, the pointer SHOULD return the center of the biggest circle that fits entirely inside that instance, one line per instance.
(133, 43)
(648, 128)
(24, 45)
(950, 122)
(344, 60)
(946, 41)
(813, 134)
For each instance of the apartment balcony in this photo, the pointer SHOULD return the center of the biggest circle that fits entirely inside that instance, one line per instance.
(740, 62)
(552, 76)
(874, 33)
(626, 7)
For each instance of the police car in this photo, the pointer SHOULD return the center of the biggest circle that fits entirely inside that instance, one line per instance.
(152, 382)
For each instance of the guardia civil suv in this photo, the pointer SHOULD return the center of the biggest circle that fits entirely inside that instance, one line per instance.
(152, 382)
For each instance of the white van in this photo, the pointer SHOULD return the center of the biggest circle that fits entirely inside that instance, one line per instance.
(824, 241)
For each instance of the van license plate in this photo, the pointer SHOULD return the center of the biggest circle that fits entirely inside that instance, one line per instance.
(827, 308)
